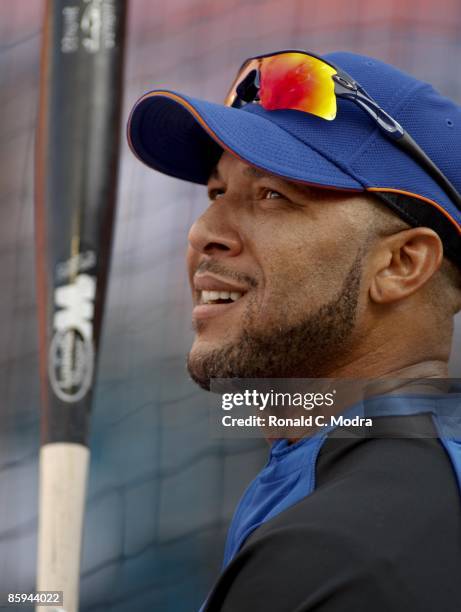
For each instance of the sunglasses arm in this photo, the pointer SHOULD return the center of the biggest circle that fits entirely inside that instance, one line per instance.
(349, 90)
(407, 143)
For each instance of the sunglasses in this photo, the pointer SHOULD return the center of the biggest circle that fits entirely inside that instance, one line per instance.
(298, 80)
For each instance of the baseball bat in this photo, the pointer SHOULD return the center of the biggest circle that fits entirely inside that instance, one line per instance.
(77, 148)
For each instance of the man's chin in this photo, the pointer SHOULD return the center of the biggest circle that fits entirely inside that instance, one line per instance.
(213, 358)
(195, 367)
(205, 344)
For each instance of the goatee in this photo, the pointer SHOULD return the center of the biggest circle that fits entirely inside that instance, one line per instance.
(306, 349)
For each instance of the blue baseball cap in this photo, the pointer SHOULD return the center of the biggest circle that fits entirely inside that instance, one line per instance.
(184, 137)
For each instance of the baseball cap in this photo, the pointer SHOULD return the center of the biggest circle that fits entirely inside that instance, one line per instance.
(184, 137)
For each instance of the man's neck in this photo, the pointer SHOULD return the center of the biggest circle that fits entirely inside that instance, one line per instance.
(422, 377)
(376, 366)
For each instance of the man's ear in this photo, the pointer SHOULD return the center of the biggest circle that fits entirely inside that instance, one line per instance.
(403, 263)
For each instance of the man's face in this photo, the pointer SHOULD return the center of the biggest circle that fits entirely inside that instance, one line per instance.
(275, 270)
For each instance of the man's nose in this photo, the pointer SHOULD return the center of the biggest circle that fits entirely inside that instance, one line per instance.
(214, 233)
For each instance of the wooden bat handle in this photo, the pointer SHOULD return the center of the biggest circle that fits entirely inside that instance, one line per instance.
(63, 475)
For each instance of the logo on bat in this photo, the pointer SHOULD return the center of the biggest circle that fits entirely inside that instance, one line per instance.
(71, 355)
(91, 24)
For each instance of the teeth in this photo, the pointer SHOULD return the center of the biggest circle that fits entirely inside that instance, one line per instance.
(211, 296)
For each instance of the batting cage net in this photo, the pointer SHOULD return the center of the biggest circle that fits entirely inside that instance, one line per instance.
(161, 490)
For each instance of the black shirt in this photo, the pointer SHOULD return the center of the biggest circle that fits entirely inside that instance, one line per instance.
(381, 532)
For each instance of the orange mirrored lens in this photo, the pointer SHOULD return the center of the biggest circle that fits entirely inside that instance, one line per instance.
(293, 81)
(299, 82)
(247, 67)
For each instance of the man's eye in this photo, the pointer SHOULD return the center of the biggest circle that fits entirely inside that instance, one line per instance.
(271, 194)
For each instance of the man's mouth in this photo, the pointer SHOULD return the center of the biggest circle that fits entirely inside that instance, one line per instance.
(219, 297)
(214, 296)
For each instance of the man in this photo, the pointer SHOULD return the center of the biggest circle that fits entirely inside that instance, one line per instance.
(330, 248)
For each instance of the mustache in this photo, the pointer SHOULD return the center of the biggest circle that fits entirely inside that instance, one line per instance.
(217, 268)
